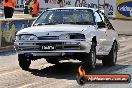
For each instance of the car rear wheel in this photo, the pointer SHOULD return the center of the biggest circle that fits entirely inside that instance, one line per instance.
(52, 60)
(90, 59)
(24, 62)
(111, 58)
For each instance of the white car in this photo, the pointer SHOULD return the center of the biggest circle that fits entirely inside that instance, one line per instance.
(68, 33)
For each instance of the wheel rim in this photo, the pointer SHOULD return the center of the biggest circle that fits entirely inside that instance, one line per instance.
(114, 54)
(93, 58)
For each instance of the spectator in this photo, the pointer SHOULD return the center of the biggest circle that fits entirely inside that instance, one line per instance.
(9, 6)
(30, 5)
(80, 3)
(35, 9)
(61, 3)
(26, 7)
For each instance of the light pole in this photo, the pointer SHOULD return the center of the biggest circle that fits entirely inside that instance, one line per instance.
(106, 8)
(98, 4)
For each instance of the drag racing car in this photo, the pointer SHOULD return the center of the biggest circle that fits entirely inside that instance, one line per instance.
(78, 33)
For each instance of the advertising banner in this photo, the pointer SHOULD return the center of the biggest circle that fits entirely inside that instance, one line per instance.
(0, 35)
(124, 9)
(8, 29)
(73, 3)
(82, 3)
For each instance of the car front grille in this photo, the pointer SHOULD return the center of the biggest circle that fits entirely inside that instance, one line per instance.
(57, 45)
(61, 45)
(48, 38)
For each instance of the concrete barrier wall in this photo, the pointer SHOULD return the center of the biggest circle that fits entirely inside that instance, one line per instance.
(8, 29)
(19, 15)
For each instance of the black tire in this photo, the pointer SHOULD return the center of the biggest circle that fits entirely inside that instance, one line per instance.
(111, 58)
(52, 60)
(90, 59)
(24, 63)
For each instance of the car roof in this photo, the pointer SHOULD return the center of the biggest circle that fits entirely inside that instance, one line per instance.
(75, 8)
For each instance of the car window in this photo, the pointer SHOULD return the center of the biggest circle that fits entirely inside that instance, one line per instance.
(102, 17)
(106, 21)
(99, 20)
(44, 16)
(84, 16)
(97, 17)
(66, 16)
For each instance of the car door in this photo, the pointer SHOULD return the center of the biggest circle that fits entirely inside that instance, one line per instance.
(101, 35)
(110, 31)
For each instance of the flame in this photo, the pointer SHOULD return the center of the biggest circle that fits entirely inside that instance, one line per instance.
(81, 71)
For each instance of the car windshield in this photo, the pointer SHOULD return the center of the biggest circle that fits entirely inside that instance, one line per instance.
(66, 16)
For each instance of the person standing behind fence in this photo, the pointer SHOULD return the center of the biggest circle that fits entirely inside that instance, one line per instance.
(35, 9)
(26, 7)
(30, 6)
(9, 6)
(61, 3)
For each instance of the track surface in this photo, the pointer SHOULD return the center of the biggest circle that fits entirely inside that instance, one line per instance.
(45, 75)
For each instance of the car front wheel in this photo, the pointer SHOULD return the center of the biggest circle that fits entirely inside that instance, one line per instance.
(24, 62)
(52, 60)
(90, 59)
(111, 58)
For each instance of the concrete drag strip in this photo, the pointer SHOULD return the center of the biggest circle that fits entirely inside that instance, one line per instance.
(45, 75)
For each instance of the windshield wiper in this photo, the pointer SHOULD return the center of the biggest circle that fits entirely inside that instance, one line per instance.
(50, 23)
(84, 23)
(39, 24)
(79, 23)
(69, 23)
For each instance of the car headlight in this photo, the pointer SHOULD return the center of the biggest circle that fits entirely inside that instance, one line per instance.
(64, 36)
(26, 37)
(17, 37)
(72, 36)
(77, 36)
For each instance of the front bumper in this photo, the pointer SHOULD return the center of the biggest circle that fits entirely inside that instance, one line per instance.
(52, 47)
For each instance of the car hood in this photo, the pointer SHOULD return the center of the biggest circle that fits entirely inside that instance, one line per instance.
(54, 30)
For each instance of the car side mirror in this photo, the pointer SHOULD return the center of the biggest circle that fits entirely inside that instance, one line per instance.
(101, 24)
(29, 25)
